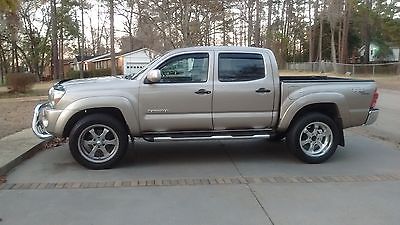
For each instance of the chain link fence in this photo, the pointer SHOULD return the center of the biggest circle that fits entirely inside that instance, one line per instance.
(352, 69)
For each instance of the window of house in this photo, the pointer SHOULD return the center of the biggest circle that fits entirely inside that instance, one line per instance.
(187, 68)
(235, 67)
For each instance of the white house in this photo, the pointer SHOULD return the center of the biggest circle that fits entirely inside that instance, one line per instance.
(126, 63)
(373, 53)
(135, 61)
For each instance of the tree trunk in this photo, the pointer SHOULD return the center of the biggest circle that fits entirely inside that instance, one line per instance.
(13, 26)
(310, 35)
(321, 27)
(83, 28)
(257, 25)
(366, 36)
(345, 33)
(113, 69)
(80, 51)
(250, 22)
(54, 43)
(333, 49)
(61, 46)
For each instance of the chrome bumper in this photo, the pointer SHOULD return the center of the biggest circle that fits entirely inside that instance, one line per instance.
(372, 116)
(37, 123)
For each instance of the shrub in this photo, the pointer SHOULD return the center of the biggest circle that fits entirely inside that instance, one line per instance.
(20, 82)
(73, 74)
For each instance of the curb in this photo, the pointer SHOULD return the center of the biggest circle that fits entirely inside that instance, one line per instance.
(26, 155)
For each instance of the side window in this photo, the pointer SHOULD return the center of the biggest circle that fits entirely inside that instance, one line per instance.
(234, 67)
(188, 68)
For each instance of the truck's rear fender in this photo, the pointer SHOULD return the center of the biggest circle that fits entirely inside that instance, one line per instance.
(333, 105)
(119, 107)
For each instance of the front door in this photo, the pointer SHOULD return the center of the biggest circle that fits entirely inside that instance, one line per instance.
(181, 101)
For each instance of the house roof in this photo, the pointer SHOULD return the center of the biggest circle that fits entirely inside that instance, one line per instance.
(138, 50)
(106, 56)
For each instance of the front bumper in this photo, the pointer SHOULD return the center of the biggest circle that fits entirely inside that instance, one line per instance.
(38, 126)
(372, 116)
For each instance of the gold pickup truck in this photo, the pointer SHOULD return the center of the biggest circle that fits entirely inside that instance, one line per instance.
(205, 93)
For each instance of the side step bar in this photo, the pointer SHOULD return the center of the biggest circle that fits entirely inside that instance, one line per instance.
(205, 138)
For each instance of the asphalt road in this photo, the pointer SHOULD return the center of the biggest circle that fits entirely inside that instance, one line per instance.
(359, 185)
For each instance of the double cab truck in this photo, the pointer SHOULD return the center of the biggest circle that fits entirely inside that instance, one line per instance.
(205, 93)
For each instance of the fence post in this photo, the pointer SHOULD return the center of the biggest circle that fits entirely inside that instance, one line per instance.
(373, 70)
(353, 70)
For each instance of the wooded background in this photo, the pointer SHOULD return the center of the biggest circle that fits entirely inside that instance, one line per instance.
(35, 34)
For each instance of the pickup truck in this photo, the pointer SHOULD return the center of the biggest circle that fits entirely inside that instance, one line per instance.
(205, 93)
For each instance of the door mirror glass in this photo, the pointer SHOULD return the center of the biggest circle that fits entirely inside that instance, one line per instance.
(154, 76)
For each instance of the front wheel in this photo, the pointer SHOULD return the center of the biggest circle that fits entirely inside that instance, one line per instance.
(98, 141)
(313, 138)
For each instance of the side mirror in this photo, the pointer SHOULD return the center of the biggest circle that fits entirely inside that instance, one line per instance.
(154, 76)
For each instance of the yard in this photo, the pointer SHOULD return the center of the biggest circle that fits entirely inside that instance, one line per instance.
(16, 110)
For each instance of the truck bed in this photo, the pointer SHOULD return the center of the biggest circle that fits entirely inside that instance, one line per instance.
(352, 96)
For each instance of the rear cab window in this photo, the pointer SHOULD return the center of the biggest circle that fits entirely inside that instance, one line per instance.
(238, 67)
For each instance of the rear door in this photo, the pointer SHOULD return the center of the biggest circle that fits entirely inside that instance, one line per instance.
(243, 91)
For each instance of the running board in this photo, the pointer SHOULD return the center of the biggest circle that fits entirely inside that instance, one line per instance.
(217, 137)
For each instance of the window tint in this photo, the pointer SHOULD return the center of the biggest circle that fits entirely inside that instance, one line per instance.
(233, 67)
(188, 68)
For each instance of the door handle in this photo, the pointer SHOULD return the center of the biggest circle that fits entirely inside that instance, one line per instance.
(203, 92)
(263, 90)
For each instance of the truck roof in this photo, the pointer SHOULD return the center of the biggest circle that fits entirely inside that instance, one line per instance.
(220, 48)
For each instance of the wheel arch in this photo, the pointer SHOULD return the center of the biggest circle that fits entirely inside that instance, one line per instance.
(111, 111)
(120, 107)
(329, 109)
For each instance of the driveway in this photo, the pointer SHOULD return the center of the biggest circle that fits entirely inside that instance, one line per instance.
(217, 182)
(388, 123)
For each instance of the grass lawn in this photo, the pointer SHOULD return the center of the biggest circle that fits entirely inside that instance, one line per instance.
(38, 89)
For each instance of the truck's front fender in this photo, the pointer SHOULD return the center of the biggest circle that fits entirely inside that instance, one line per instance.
(121, 103)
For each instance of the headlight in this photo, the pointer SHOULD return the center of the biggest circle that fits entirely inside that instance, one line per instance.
(55, 95)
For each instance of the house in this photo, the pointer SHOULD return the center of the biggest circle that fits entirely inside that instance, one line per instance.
(135, 61)
(392, 55)
(126, 63)
(67, 66)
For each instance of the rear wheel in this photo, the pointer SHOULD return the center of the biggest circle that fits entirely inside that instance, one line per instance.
(313, 138)
(98, 141)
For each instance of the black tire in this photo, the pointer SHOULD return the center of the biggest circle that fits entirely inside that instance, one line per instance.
(315, 122)
(99, 124)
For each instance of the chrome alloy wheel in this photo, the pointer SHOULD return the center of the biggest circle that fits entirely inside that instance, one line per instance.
(316, 139)
(98, 143)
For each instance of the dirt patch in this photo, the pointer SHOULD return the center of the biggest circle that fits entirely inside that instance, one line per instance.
(15, 116)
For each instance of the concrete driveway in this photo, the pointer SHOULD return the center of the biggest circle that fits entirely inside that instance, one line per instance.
(388, 123)
(204, 183)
